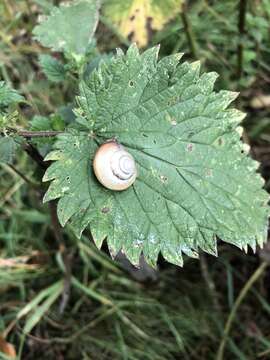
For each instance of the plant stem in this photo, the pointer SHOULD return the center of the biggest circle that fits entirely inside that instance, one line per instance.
(31, 134)
(254, 277)
(242, 31)
(35, 155)
(34, 134)
(25, 178)
(188, 30)
(209, 282)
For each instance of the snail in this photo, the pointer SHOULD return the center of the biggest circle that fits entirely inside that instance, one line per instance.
(114, 167)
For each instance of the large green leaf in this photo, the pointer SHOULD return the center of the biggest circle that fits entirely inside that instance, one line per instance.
(195, 182)
(70, 27)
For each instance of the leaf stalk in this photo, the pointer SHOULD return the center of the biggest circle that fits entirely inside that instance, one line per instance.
(189, 33)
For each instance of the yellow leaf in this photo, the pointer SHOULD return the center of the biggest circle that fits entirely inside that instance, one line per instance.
(136, 19)
(7, 348)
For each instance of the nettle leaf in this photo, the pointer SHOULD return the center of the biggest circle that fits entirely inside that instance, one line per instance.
(69, 28)
(52, 68)
(136, 19)
(195, 182)
(8, 147)
(8, 96)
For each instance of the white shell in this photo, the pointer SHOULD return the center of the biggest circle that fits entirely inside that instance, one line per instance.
(114, 167)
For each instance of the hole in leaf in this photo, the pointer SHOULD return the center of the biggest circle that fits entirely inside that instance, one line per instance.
(220, 141)
(163, 178)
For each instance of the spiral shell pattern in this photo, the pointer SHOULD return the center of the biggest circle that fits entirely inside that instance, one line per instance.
(114, 167)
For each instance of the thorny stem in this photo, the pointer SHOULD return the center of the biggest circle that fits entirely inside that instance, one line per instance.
(31, 134)
(254, 277)
(34, 134)
(242, 31)
(188, 31)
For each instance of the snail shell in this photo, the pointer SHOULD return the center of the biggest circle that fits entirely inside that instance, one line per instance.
(114, 167)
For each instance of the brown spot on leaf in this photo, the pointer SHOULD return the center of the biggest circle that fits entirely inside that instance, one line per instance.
(149, 27)
(131, 35)
(220, 141)
(189, 147)
(105, 210)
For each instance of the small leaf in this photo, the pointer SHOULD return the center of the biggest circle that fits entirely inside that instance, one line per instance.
(8, 119)
(70, 27)
(7, 149)
(8, 96)
(136, 19)
(52, 68)
(195, 183)
(40, 123)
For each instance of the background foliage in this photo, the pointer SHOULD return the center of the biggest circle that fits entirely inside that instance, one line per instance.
(62, 297)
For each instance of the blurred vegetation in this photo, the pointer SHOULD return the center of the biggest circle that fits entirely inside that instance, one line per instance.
(61, 298)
